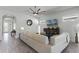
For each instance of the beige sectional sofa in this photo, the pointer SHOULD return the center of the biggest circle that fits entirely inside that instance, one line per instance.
(41, 43)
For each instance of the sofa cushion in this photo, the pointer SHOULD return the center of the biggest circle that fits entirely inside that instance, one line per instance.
(37, 37)
(52, 39)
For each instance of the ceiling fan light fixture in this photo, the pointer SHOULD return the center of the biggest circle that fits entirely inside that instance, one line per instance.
(35, 14)
(36, 11)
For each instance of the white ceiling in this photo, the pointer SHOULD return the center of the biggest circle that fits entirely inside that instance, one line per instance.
(22, 9)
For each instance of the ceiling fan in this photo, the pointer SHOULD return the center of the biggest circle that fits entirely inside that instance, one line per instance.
(36, 10)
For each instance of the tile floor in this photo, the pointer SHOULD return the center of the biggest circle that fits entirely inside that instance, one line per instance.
(72, 48)
(12, 45)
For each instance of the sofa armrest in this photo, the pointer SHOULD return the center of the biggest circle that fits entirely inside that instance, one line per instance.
(64, 37)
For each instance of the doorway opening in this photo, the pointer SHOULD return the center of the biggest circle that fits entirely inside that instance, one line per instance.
(8, 24)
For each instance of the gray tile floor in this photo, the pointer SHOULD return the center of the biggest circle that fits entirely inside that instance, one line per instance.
(72, 48)
(12, 45)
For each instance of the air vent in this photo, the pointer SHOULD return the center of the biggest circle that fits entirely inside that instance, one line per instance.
(71, 18)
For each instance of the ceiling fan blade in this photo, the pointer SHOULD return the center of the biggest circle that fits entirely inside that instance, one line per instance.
(38, 10)
(31, 9)
(43, 11)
